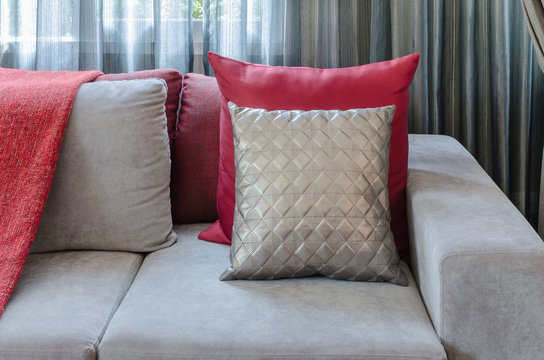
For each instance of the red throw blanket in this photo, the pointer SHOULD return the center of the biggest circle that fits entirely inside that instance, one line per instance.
(34, 110)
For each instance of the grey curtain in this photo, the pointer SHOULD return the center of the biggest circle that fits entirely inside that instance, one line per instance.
(109, 35)
(478, 78)
(534, 14)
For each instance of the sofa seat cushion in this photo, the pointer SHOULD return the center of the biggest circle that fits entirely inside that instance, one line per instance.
(63, 302)
(178, 309)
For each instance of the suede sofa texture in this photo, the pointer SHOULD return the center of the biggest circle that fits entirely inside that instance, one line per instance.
(476, 285)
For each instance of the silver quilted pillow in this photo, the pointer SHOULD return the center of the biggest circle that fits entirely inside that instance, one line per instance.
(311, 195)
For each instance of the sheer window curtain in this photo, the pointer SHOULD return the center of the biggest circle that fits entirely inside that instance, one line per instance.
(478, 78)
(109, 35)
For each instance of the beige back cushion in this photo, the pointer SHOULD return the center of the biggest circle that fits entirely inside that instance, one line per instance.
(111, 184)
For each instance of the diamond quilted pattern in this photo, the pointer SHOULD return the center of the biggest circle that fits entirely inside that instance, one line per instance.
(311, 195)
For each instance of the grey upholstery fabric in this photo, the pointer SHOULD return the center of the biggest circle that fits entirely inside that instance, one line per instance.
(311, 195)
(479, 264)
(62, 303)
(111, 185)
(178, 309)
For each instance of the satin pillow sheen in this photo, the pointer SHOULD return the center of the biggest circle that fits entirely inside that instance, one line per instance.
(288, 88)
(195, 155)
(311, 195)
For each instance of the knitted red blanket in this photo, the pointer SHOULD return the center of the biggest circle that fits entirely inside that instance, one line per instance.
(34, 110)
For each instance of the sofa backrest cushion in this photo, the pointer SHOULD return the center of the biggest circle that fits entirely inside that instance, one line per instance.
(173, 82)
(195, 155)
(111, 185)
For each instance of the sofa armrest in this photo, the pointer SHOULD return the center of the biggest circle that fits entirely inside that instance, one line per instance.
(478, 263)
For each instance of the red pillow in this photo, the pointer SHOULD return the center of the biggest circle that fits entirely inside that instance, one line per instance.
(195, 155)
(286, 88)
(173, 82)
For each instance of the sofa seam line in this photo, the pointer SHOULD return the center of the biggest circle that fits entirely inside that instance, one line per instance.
(126, 284)
(473, 253)
(40, 351)
(441, 271)
(378, 357)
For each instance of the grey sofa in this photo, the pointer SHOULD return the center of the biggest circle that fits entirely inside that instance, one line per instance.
(477, 291)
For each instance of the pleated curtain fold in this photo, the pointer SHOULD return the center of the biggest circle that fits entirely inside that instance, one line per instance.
(108, 35)
(534, 16)
(478, 78)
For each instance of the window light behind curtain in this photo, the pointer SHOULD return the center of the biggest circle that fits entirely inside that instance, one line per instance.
(478, 79)
(109, 35)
